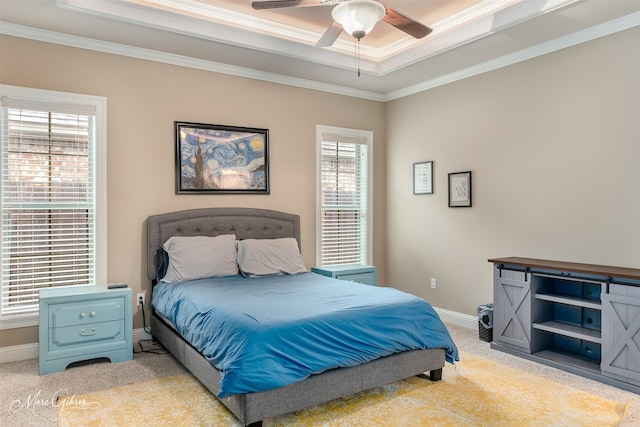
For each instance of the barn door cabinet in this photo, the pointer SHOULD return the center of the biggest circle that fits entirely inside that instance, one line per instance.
(512, 308)
(581, 318)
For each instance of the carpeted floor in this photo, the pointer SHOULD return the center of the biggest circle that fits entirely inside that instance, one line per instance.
(28, 399)
(476, 391)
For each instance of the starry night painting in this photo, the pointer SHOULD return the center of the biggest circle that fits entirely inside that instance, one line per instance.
(221, 159)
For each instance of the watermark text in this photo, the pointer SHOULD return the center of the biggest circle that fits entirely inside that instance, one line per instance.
(60, 399)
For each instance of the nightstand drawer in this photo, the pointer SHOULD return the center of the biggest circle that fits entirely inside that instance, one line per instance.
(85, 312)
(84, 334)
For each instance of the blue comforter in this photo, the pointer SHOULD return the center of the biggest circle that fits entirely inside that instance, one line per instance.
(268, 332)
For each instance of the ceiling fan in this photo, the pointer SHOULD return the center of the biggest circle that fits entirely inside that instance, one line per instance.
(356, 17)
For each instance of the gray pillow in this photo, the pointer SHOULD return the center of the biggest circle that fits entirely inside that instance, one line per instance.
(198, 257)
(262, 257)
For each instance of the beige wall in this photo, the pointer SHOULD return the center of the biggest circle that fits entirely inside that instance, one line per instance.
(144, 99)
(554, 147)
(553, 144)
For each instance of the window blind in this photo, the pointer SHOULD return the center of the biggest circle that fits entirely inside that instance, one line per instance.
(48, 199)
(343, 200)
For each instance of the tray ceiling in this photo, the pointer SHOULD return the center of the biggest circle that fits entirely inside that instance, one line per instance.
(281, 42)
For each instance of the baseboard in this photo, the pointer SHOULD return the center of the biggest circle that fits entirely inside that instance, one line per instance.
(456, 318)
(19, 352)
(30, 351)
(140, 334)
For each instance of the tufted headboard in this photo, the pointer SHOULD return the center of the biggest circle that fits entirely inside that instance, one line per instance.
(245, 223)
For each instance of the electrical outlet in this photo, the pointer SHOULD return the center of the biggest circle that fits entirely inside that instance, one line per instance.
(140, 299)
(434, 283)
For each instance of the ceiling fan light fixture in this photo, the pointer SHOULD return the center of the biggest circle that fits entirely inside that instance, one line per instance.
(358, 17)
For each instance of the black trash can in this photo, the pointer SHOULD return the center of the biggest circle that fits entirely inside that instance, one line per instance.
(485, 322)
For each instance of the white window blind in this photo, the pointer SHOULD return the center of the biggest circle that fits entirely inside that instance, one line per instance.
(48, 199)
(344, 199)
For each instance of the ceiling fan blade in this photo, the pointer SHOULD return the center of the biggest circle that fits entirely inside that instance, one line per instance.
(406, 24)
(276, 4)
(330, 36)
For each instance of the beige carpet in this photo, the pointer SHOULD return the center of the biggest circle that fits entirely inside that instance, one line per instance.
(474, 393)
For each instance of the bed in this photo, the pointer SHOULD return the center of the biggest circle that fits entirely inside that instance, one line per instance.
(249, 405)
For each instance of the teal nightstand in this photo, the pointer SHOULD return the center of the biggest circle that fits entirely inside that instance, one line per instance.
(366, 274)
(84, 322)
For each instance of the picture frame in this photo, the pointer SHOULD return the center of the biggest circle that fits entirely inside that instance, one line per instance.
(460, 189)
(220, 159)
(423, 177)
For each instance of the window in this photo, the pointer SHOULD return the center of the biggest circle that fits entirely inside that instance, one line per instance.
(52, 198)
(344, 196)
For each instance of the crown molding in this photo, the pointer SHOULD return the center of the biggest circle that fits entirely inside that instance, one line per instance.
(195, 18)
(595, 32)
(607, 28)
(47, 36)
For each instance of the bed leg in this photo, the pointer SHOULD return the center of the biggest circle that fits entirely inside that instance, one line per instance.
(256, 424)
(435, 375)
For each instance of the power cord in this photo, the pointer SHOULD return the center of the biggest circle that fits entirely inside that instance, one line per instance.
(144, 320)
(147, 329)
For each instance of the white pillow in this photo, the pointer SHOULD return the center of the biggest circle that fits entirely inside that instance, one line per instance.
(197, 257)
(260, 257)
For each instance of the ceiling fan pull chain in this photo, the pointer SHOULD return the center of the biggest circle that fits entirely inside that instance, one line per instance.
(358, 55)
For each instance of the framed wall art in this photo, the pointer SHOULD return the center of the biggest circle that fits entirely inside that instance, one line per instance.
(423, 178)
(460, 189)
(215, 159)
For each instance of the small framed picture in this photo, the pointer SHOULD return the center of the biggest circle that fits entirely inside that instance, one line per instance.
(460, 189)
(423, 178)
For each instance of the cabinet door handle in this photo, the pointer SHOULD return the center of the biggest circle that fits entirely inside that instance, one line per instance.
(83, 314)
(93, 313)
(86, 334)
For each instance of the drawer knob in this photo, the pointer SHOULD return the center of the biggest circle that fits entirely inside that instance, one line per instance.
(86, 334)
(83, 314)
(93, 313)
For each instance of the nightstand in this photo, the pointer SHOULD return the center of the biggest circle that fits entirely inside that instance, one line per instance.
(366, 274)
(84, 322)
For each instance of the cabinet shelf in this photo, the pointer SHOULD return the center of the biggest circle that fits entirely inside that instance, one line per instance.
(574, 301)
(572, 331)
(570, 359)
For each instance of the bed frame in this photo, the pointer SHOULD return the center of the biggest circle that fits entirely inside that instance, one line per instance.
(252, 408)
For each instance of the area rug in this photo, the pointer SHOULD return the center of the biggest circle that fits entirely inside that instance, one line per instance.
(476, 392)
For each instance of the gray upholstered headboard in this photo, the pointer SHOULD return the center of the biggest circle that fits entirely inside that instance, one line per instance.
(245, 223)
